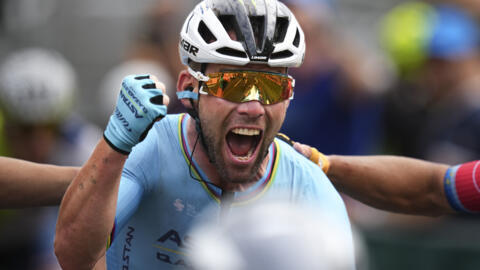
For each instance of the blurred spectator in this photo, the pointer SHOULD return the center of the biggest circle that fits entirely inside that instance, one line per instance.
(336, 107)
(433, 113)
(37, 94)
(435, 108)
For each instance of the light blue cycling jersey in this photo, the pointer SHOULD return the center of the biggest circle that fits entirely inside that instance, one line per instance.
(160, 196)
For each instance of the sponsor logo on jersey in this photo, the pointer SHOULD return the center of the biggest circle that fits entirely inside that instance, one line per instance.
(168, 255)
(127, 247)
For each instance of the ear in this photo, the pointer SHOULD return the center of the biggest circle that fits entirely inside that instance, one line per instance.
(186, 81)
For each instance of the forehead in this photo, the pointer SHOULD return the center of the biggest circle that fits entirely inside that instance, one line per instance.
(257, 67)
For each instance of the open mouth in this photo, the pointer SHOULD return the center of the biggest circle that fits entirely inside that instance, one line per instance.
(243, 142)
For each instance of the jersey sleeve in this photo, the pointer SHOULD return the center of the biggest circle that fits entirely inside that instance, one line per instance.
(330, 206)
(129, 197)
(317, 193)
(135, 182)
(325, 197)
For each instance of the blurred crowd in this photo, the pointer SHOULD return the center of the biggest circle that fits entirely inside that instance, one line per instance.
(416, 96)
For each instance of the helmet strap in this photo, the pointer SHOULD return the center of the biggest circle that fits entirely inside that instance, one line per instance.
(193, 112)
(198, 128)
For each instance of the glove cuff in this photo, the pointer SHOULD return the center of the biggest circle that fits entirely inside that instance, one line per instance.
(113, 139)
(114, 147)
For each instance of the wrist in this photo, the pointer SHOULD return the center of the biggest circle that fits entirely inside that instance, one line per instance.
(114, 147)
(319, 158)
(109, 152)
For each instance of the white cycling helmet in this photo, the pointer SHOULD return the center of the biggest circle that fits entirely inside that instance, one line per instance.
(240, 32)
(36, 86)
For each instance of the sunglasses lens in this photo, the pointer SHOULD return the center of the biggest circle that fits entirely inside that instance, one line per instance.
(244, 86)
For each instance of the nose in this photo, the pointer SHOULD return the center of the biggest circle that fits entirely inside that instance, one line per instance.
(252, 109)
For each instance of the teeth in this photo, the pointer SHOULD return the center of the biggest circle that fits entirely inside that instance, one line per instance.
(246, 131)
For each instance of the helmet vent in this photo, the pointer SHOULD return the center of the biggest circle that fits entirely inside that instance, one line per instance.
(232, 52)
(280, 29)
(206, 34)
(280, 55)
(296, 41)
(230, 24)
(258, 27)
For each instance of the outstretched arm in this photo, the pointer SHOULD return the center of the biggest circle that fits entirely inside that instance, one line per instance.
(391, 183)
(87, 211)
(28, 184)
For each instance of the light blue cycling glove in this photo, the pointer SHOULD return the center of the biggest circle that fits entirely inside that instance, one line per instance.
(139, 105)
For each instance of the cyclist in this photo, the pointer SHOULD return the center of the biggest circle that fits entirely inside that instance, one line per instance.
(37, 90)
(237, 89)
(40, 123)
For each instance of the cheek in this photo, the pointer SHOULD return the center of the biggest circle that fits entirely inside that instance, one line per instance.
(277, 113)
(212, 111)
(212, 104)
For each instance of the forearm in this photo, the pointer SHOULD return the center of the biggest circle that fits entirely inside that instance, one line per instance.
(392, 183)
(28, 184)
(87, 211)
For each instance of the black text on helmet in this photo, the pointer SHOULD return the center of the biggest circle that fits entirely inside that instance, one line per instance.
(188, 47)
